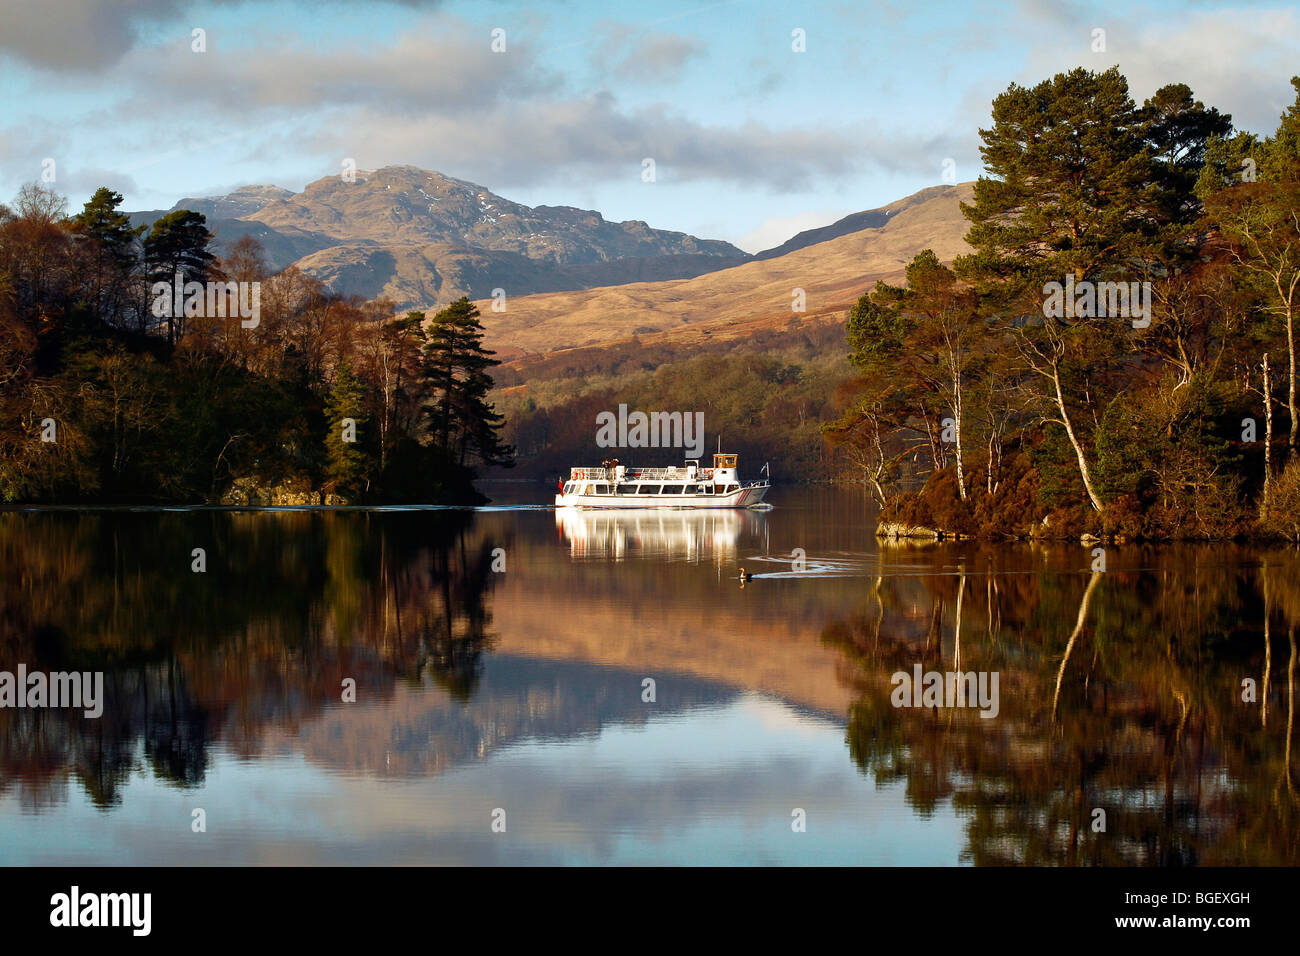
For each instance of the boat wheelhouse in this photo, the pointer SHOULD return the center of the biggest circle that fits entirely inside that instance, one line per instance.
(614, 485)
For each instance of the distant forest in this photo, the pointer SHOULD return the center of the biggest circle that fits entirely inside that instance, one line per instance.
(120, 384)
(765, 397)
(1117, 355)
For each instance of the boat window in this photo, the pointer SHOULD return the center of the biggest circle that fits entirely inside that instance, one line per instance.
(602, 489)
(626, 489)
(568, 488)
(671, 490)
(650, 489)
(729, 489)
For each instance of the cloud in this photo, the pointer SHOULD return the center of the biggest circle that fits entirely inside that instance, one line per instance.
(414, 73)
(521, 144)
(88, 36)
(625, 53)
(79, 35)
(1239, 61)
(455, 106)
(78, 182)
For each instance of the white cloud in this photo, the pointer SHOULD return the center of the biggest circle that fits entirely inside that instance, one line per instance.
(1236, 59)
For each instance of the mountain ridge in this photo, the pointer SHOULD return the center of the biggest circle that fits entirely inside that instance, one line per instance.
(756, 294)
(420, 238)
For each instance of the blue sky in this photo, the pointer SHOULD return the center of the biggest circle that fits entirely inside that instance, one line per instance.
(752, 141)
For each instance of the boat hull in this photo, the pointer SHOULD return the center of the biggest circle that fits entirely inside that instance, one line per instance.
(746, 497)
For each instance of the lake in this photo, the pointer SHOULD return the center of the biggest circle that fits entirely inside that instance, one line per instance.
(517, 685)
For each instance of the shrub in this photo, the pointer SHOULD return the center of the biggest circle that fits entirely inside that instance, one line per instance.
(1283, 517)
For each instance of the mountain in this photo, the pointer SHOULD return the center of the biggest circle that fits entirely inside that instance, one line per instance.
(854, 222)
(244, 201)
(571, 278)
(739, 301)
(403, 204)
(422, 239)
(283, 247)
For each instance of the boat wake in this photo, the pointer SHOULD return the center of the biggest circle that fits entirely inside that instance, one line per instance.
(846, 566)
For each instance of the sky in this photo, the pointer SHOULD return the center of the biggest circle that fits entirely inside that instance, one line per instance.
(762, 117)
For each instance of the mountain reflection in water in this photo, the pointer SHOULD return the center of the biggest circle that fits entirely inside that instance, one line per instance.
(506, 659)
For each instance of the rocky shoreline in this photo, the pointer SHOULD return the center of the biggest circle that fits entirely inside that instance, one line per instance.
(897, 531)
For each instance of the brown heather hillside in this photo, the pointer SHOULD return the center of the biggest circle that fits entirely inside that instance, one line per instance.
(726, 344)
(734, 304)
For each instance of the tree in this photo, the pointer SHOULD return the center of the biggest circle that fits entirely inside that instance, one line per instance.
(1178, 129)
(391, 350)
(902, 385)
(1261, 221)
(112, 250)
(1073, 190)
(178, 245)
(35, 254)
(347, 466)
(459, 417)
(944, 336)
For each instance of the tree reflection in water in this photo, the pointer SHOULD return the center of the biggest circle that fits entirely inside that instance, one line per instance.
(289, 606)
(1120, 690)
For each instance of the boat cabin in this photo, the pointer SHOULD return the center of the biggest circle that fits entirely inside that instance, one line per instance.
(688, 482)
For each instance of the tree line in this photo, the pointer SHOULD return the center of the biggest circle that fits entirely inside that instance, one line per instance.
(1116, 355)
(109, 392)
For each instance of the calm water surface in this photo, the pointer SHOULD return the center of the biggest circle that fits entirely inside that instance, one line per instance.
(501, 660)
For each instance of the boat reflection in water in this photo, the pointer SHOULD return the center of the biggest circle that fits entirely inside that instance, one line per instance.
(689, 536)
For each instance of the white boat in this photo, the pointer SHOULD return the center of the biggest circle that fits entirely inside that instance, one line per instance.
(687, 486)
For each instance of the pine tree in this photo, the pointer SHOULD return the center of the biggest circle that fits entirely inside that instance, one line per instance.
(178, 243)
(1075, 188)
(113, 253)
(459, 418)
(347, 464)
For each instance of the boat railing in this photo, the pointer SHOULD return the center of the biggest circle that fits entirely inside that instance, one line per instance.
(642, 474)
(658, 474)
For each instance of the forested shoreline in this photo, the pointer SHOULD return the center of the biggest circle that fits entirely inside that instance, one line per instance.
(139, 366)
(1116, 357)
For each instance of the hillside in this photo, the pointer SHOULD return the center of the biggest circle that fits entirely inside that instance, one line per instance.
(854, 222)
(741, 300)
(726, 343)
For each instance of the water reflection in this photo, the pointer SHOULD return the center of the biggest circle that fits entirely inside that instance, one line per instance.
(690, 536)
(498, 666)
(1162, 695)
(289, 606)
